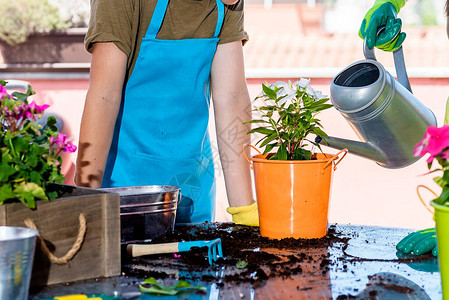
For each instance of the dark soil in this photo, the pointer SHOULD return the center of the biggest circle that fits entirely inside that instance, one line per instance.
(266, 258)
(297, 259)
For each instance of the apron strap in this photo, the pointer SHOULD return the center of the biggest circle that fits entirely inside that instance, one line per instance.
(220, 7)
(157, 19)
(159, 14)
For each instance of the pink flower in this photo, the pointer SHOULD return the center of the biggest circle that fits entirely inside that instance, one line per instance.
(62, 141)
(3, 92)
(69, 147)
(435, 140)
(32, 109)
(14, 116)
(420, 148)
(37, 109)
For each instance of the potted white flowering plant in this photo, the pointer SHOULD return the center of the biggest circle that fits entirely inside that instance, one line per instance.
(292, 179)
(287, 117)
(30, 174)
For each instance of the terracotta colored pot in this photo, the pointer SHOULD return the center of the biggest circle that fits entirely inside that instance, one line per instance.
(293, 196)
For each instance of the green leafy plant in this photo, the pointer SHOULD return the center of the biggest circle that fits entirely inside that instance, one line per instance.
(150, 286)
(20, 18)
(30, 158)
(287, 116)
(241, 264)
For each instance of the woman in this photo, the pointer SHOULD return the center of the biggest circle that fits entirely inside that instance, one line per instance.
(154, 64)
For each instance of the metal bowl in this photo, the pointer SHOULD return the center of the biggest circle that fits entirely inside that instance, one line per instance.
(146, 211)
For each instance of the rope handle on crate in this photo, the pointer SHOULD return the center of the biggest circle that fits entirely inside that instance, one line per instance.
(422, 201)
(71, 253)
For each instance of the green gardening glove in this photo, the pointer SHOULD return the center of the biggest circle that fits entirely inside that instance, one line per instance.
(419, 242)
(383, 13)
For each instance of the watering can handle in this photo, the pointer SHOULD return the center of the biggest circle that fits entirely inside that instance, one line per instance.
(399, 63)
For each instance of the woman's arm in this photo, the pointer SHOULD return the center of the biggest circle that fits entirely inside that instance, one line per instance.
(102, 104)
(232, 107)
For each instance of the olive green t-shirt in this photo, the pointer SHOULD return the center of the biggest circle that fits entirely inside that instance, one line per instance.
(125, 22)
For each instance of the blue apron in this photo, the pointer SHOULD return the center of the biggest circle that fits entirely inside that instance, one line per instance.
(161, 134)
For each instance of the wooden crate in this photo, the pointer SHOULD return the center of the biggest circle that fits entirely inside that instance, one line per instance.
(58, 223)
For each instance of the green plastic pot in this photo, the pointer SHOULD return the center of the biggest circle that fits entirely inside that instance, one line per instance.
(442, 227)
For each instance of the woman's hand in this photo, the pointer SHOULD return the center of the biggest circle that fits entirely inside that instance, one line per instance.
(383, 14)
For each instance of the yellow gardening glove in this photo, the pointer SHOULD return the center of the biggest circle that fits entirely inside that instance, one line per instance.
(72, 297)
(245, 215)
(80, 297)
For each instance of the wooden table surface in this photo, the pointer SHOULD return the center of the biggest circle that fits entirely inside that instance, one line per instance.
(367, 266)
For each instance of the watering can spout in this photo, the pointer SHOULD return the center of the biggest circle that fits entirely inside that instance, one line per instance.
(363, 149)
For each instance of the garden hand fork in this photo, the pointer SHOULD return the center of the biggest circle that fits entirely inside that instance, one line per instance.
(214, 248)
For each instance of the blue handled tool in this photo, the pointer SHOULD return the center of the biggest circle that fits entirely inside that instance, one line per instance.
(214, 248)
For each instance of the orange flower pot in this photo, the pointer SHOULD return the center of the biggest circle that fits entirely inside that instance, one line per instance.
(293, 196)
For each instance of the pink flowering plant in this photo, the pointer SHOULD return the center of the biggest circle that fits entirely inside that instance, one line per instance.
(436, 143)
(30, 159)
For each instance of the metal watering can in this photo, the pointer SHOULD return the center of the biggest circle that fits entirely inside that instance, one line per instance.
(383, 112)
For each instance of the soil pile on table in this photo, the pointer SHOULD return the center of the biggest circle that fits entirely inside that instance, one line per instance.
(248, 257)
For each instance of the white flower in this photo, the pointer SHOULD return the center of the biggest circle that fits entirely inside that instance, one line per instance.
(319, 95)
(304, 83)
(310, 91)
(287, 91)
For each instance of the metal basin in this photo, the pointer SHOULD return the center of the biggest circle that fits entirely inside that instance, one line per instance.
(146, 211)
